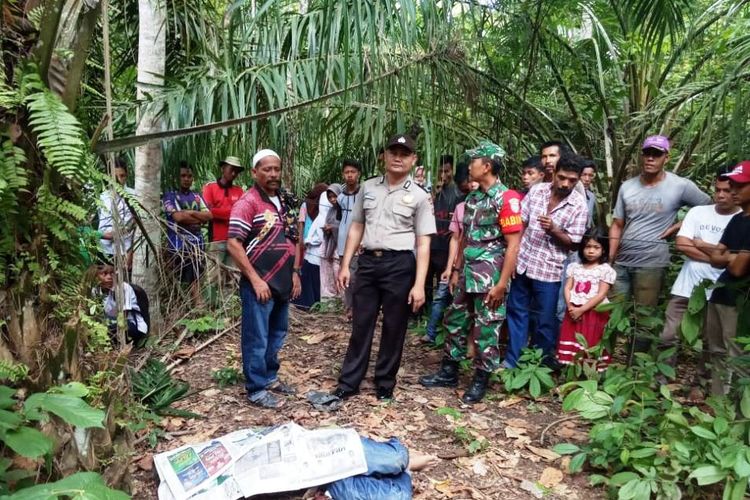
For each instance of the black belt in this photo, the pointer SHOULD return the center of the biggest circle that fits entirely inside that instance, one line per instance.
(381, 253)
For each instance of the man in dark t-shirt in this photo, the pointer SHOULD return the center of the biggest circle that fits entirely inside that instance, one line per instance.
(732, 297)
(447, 197)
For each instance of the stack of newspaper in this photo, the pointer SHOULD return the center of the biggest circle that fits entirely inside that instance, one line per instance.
(255, 461)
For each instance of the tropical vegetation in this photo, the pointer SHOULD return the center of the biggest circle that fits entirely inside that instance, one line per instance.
(160, 81)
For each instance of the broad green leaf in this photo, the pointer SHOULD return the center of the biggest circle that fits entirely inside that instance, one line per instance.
(666, 369)
(27, 441)
(607, 306)
(643, 453)
(566, 449)
(571, 401)
(741, 465)
(677, 418)
(664, 391)
(622, 477)
(739, 488)
(79, 486)
(635, 489)
(697, 300)
(588, 385)
(545, 378)
(597, 479)
(520, 381)
(75, 389)
(708, 474)
(73, 410)
(9, 420)
(720, 425)
(6, 397)
(702, 432)
(745, 402)
(576, 464)
(690, 328)
(535, 388)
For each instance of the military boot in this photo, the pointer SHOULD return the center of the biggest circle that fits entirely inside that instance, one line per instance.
(478, 387)
(447, 376)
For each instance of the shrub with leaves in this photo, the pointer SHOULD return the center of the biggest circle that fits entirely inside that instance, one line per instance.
(204, 324)
(463, 434)
(647, 444)
(529, 374)
(81, 485)
(226, 376)
(157, 390)
(19, 434)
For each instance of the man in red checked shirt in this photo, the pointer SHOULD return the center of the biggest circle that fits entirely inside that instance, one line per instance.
(492, 234)
(555, 216)
(220, 196)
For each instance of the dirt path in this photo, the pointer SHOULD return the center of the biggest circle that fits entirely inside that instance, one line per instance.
(510, 461)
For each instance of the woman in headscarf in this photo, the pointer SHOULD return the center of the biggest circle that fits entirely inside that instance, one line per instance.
(316, 205)
(329, 266)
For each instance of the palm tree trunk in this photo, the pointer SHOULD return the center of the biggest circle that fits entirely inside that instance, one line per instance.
(148, 158)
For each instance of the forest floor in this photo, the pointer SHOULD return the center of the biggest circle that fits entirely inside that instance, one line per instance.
(515, 435)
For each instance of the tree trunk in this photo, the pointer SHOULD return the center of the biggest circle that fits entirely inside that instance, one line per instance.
(148, 159)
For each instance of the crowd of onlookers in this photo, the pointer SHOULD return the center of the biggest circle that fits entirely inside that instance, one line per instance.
(533, 263)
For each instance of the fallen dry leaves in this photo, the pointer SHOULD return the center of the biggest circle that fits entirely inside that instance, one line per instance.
(546, 454)
(551, 477)
(507, 468)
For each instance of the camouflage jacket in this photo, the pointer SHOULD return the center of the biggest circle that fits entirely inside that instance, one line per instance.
(487, 217)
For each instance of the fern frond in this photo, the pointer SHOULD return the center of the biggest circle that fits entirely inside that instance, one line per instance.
(13, 372)
(9, 98)
(12, 172)
(60, 217)
(59, 134)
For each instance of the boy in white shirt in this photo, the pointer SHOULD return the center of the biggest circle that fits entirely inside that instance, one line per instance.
(699, 235)
(136, 326)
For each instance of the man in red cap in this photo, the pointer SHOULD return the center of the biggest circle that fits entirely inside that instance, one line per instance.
(644, 215)
(723, 320)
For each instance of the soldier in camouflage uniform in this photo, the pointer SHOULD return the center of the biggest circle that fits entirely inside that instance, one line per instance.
(492, 234)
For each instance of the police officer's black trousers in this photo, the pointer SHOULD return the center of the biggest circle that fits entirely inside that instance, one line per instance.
(381, 281)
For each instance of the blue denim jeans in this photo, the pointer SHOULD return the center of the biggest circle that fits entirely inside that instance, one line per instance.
(386, 475)
(440, 301)
(524, 291)
(264, 328)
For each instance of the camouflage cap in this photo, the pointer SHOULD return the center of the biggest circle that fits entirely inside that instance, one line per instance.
(486, 149)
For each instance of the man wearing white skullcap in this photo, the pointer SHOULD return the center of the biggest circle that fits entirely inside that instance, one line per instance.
(263, 243)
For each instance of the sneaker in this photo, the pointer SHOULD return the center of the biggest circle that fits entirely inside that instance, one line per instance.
(266, 400)
(280, 387)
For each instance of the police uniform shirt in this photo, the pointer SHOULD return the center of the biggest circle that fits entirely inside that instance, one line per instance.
(393, 216)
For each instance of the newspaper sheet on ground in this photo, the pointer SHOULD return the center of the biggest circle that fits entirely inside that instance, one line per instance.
(251, 462)
(191, 470)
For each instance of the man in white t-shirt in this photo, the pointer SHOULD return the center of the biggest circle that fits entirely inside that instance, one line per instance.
(699, 235)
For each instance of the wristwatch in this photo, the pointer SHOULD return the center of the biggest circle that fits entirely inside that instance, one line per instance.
(297, 271)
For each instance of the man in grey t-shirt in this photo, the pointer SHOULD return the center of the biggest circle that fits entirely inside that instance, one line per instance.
(644, 216)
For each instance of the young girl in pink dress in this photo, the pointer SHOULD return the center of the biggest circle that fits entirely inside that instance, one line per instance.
(586, 287)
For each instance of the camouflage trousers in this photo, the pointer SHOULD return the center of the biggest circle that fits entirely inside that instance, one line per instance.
(484, 331)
